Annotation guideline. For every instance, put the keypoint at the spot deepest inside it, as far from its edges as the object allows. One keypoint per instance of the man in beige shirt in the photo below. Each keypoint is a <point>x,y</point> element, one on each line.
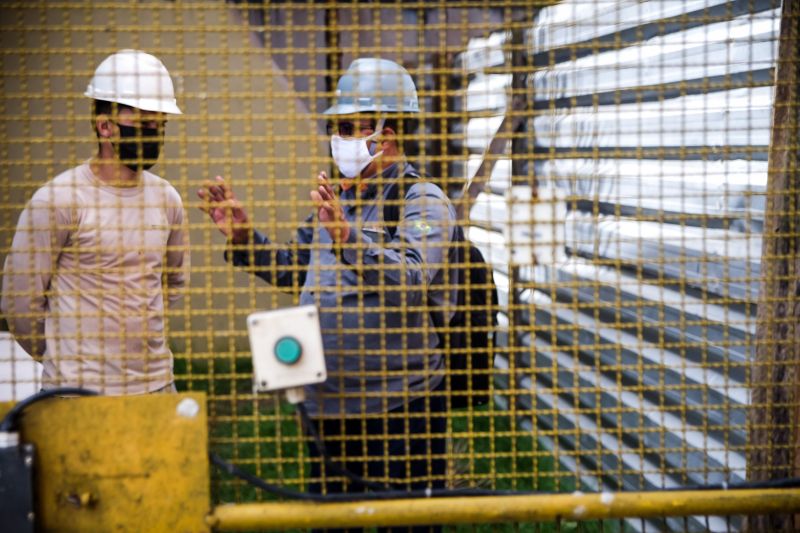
<point>83,290</point>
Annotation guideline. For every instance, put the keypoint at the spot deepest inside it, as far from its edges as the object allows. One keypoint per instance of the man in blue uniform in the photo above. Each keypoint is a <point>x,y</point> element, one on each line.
<point>378,412</point>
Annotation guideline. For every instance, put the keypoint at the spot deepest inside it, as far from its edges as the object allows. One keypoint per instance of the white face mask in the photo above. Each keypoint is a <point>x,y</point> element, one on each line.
<point>352,155</point>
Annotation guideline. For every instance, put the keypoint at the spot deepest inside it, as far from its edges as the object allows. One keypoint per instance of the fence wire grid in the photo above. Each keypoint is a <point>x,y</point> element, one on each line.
<point>610,159</point>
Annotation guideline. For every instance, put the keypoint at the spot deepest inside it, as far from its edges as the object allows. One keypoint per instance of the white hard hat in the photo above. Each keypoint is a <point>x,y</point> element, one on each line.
<point>375,85</point>
<point>136,79</point>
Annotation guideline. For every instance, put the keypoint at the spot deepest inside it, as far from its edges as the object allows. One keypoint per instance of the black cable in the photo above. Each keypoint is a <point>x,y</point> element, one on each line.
<point>384,492</point>
<point>469,492</point>
<point>278,490</point>
<point>784,483</point>
<point>9,423</point>
<point>257,482</point>
<point>355,478</point>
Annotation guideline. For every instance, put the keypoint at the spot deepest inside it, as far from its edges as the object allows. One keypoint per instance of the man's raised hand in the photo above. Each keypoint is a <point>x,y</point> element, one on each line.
<point>329,211</point>
<point>219,202</point>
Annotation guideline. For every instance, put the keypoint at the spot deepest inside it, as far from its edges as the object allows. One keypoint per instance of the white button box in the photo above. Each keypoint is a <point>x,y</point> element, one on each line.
<point>287,348</point>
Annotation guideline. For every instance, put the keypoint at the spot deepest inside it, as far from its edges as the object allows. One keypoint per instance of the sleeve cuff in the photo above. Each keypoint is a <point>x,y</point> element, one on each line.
<point>241,256</point>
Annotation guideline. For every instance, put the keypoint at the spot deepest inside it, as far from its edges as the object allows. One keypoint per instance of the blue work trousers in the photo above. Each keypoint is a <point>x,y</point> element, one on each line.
<point>409,444</point>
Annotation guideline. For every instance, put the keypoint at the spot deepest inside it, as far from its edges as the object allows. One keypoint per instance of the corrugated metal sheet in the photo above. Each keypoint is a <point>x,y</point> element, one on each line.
<point>653,120</point>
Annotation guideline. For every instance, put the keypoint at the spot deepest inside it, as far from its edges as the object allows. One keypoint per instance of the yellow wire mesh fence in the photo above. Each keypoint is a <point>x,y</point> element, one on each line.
<point>552,245</point>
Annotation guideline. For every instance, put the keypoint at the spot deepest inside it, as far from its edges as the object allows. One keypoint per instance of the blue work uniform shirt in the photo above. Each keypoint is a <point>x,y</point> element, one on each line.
<point>372,292</point>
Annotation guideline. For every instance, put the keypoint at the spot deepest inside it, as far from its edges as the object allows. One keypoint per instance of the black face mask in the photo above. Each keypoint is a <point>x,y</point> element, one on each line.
<point>136,150</point>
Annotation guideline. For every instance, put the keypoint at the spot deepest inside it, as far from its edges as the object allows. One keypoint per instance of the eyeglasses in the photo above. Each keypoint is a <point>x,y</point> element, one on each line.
<point>346,128</point>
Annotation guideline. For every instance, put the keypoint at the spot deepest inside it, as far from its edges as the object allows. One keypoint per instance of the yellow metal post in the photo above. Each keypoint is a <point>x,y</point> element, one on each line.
<point>134,463</point>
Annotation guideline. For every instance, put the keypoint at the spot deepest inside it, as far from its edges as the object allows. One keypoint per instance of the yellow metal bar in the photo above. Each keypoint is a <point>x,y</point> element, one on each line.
<point>492,509</point>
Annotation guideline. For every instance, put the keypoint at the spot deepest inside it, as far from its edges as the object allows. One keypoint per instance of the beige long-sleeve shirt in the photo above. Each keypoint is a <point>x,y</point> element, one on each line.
<point>83,285</point>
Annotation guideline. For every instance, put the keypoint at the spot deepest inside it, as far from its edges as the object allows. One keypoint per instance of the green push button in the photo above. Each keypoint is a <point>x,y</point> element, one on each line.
<point>288,350</point>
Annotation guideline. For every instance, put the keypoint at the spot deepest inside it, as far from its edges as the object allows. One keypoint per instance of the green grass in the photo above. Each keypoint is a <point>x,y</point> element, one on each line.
<point>490,446</point>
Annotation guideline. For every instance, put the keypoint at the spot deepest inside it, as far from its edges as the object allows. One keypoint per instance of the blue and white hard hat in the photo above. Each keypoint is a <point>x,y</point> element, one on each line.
<point>373,85</point>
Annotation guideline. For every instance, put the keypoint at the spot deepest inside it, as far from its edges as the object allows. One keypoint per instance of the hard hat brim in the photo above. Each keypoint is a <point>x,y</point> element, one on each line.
<point>144,104</point>
<point>353,109</point>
